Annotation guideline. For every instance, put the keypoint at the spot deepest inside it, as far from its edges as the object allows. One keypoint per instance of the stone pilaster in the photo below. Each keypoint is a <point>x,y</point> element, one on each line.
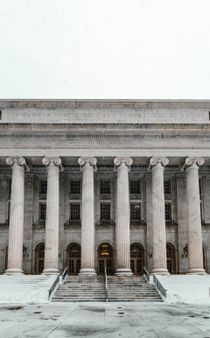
<point>53,165</point>
<point>16,222</point>
<point>122,166</point>
<point>195,252</point>
<point>88,166</point>
<point>158,215</point>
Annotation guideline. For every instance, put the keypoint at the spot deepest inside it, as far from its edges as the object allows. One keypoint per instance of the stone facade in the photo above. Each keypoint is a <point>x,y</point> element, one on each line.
<point>127,181</point>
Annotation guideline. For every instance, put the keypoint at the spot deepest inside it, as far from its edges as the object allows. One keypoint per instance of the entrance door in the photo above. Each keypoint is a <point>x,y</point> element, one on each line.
<point>74,258</point>
<point>39,259</point>
<point>171,258</point>
<point>105,258</point>
<point>137,259</point>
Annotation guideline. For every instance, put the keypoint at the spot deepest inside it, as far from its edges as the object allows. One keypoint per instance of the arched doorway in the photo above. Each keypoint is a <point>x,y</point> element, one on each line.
<point>73,255</point>
<point>6,258</point>
<point>204,258</point>
<point>137,258</point>
<point>171,258</point>
<point>39,258</point>
<point>105,258</point>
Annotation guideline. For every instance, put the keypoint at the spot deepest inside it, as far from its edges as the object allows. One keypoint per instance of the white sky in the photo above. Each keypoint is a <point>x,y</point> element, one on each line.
<point>105,49</point>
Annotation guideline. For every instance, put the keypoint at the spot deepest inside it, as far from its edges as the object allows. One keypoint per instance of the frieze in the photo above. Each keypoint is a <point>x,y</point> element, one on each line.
<point>106,136</point>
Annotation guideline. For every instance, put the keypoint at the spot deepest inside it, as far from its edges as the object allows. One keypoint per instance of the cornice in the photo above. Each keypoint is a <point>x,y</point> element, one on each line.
<point>102,103</point>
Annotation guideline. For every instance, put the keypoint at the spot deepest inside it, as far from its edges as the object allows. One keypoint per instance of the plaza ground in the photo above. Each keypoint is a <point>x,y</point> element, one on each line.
<point>104,320</point>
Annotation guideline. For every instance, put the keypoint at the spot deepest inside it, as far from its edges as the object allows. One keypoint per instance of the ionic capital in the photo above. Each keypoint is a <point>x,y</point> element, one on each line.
<point>90,161</point>
<point>194,162</point>
<point>123,161</point>
<point>52,161</point>
<point>19,161</point>
<point>163,161</point>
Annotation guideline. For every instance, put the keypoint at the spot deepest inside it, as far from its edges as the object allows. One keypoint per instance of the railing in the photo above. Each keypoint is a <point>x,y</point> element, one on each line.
<point>54,286</point>
<point>63,275</point>
<point>106,284</point>
<point>59,280</point>
<point>159,287</point>
<point>146,275</point>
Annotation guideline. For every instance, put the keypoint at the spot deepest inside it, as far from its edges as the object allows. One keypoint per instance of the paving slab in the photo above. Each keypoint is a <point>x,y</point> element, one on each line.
<point>104,320</point>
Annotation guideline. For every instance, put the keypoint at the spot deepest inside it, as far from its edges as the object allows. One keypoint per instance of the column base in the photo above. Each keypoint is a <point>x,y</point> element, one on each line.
<point>87,273</point>
<point>14,272</point>
<point>123,273</point>
<point>160,272</point>
<point>50,272</point>
<point>196,272</point>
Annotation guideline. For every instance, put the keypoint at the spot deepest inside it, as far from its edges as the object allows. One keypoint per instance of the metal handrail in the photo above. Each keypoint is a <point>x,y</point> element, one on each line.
<point>106,283</point>
<point>63,275</point>
<point>162,291</point>
<point>59,280</point>
<point>146,274</point>
<point>54,286</point>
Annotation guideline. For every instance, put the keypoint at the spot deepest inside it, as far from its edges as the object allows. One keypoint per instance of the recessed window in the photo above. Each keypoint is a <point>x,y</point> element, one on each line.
<point>105,211</point>
<point>168,211</point>
<point>75,187</point>
<point>135,187</point>
<point>105,187</point>
<point>42,211</point>
<point>43,187</point>
<point>167,187</point>
<point>0,114</point>
<point>135,211</point>
<point>75,211</point>
<point>209,115</point>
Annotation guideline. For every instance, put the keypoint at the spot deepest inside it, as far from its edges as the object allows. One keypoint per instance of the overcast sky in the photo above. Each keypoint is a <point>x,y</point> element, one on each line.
<point>105,49</point>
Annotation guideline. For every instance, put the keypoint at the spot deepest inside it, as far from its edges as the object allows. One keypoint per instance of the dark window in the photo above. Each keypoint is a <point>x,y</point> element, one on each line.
<point>75,187</point>
<point>200,188</point>
<point>42,211</point>
<point>0,114</point>
<point>105,211</point>
<point>167,187</point>
<point>168,211</point>
<point>135,211</point>
<point>105,187</point>
<point>209,115</point>
<point>75,211</point>
<point>9,188</point>
<point>43,187</point>
<point>134,187</point>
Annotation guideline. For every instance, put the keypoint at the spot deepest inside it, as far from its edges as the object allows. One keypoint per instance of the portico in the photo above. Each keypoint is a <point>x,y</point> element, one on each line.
<point>115,184</point>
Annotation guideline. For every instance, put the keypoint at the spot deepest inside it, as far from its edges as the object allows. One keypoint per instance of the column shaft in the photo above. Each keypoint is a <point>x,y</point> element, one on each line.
<point>16,223</point>
<point>123,217</point>
<point>158,216</point>
<point>52,216</point>
<point>87,218</point>
<point>195,250</point>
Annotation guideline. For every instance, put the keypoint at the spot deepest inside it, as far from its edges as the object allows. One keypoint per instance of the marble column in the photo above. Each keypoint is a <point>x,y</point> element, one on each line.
<point>158,215</point>
<point>195,250</point>
<point>16,222</point>
<point>88,166</point>
<point>53,165</point>
<point>122,233</point>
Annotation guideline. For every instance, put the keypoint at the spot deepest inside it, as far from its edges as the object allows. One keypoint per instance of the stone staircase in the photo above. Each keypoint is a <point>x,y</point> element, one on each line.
<point>132,289</point>
<point>78,289</point>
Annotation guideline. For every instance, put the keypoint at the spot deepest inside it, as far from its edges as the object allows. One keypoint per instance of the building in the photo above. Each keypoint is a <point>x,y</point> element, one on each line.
<point>85,183</point>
